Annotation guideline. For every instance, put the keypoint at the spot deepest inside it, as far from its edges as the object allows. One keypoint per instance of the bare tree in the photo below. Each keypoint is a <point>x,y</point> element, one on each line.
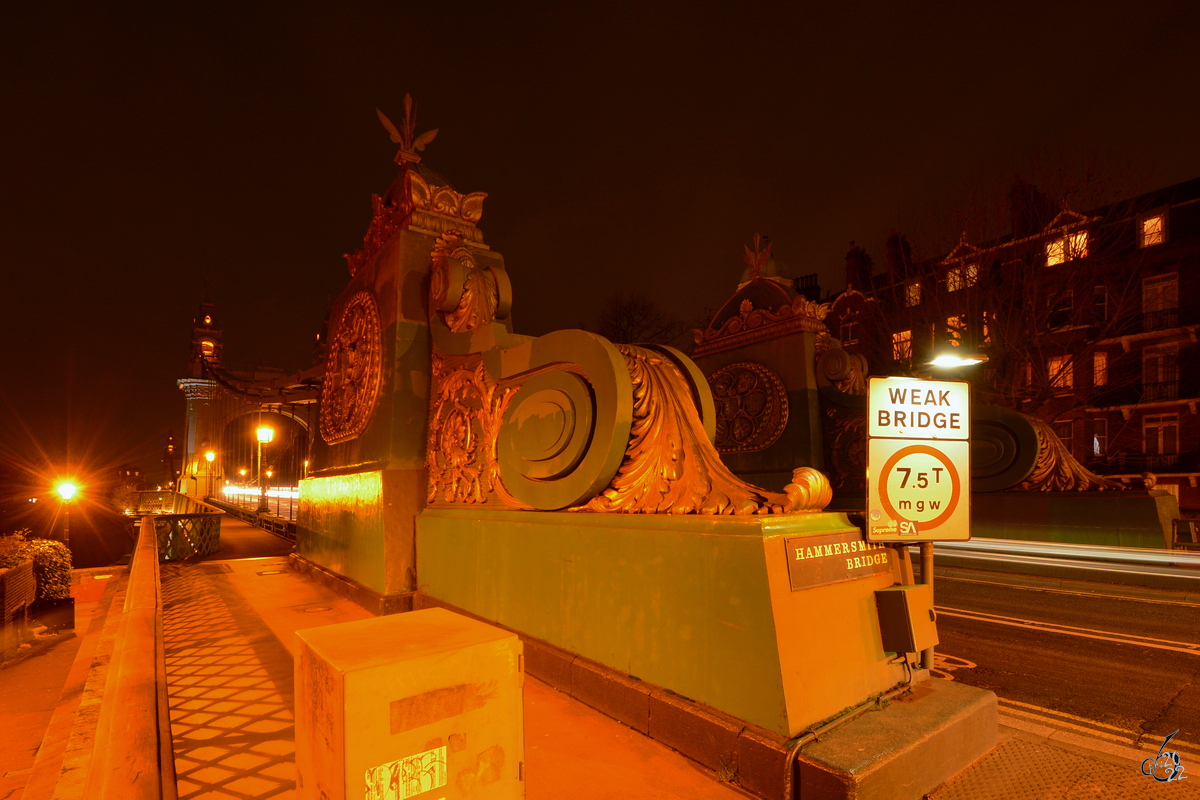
<point>629,318</point>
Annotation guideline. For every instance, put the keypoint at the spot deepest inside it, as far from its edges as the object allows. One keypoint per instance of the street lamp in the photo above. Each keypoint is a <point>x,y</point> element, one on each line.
<point>953,360</point>
<point>210,457</point>
<point>265,435</point>
<point>66,490</point>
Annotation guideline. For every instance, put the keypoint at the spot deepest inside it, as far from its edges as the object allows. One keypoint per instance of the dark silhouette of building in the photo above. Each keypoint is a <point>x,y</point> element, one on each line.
<point>1087,320</point>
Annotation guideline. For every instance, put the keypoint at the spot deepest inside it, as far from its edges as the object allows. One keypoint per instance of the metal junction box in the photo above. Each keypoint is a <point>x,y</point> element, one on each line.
<point>427,703</point>
<point>906,620</point>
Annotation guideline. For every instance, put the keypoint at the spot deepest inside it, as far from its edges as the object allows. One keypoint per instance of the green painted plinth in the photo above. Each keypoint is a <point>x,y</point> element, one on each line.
<point>702,606</point>
<point>1115,519</point>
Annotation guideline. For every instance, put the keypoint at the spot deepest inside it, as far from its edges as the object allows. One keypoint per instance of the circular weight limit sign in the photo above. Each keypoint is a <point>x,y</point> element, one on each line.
<point>920,484</point>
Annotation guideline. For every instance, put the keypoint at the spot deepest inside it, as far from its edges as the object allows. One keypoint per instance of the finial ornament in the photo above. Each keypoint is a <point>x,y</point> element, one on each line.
<point>756,259</point>
<point>404,136</point>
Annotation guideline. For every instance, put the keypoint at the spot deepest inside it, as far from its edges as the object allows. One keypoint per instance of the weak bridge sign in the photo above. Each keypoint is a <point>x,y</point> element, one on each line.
<point>918,460</point>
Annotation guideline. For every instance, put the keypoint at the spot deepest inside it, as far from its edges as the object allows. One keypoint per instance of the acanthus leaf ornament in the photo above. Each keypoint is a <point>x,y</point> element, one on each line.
<point>464,422</point>
<point>466,295</point>
<point>670,467</point>
<point>1057,470</point>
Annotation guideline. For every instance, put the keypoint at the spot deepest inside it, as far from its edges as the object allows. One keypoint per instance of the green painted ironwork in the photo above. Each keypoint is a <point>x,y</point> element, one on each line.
<point>187,535</point>
<point>185,527</point>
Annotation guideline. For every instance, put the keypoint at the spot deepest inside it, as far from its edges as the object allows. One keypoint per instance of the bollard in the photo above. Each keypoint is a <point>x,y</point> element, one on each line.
<point>425,703</point>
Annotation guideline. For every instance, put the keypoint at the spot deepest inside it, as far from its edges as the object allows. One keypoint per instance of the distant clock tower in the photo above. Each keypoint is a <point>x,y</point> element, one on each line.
<point>206,339</point>
<point>201,391</point>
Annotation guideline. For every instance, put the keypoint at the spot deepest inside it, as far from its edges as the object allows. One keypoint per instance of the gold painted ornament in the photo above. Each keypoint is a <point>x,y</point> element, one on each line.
<point>352,372</point>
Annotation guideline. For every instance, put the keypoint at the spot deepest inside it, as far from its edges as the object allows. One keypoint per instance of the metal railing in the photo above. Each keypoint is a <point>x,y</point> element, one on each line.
<point>1143,462</point>
<point>134,759</point>
<point>1160,320</point>
<point>282,527</point>
<point>1160,390</point>
<point>185,527</point>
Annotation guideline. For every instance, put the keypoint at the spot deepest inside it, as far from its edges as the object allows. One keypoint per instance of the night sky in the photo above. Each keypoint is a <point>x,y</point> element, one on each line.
<point>156,151</point>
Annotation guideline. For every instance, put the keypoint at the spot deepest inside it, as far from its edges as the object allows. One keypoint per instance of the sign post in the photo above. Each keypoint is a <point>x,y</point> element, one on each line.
<point>918,466</point>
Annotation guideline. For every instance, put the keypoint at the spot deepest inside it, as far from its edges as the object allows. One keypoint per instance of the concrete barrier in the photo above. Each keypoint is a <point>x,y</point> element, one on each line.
<point>134,759</point>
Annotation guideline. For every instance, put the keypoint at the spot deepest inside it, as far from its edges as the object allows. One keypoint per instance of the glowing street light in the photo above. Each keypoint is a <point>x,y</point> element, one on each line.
<point>264,434</point>
<point>66,490</point>
<point>953,360</point>
<point>209,456</point>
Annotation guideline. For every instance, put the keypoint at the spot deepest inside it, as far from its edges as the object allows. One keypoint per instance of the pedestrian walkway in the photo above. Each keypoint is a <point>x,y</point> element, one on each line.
<point>229,630</point>
<point>242,540</point>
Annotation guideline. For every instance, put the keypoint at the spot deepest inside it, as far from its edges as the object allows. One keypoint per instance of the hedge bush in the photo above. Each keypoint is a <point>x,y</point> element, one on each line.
<point>51,562</point>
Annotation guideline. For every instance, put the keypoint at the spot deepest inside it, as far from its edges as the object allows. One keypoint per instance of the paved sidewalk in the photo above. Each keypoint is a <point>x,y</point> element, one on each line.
<point>229,629</point>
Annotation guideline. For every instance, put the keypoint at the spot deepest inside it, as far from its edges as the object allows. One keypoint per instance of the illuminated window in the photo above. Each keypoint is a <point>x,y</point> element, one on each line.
<point>954,331</point>
<point>1099,437</point>
<point>962,277</point>
<point>912,294</point>
<point>207,320</point>
<point>1100,369</point>
<point>987,327</point>
<point>1152,230</point>
<point>207,347</point>
<point>1067,248</point>
<point>1059,370</point>
<point>902,345</point>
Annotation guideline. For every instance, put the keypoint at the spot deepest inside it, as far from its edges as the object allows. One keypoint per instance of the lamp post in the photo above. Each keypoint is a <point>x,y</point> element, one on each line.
<point>66,490</point>
<point>210,457</point>
<point>265,435</point>
<point>953,359</point>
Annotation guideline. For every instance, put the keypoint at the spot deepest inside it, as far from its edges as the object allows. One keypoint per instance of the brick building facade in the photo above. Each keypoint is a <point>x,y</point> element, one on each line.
<point>1088,320</point>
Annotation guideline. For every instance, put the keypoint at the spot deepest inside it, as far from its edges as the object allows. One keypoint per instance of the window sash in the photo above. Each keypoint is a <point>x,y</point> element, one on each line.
<point>1100,369</point>
<point>1160,293</point>
<point>1152,230</point>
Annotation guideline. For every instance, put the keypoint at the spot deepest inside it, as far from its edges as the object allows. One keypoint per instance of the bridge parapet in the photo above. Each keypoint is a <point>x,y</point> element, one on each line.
<point>185,526</point>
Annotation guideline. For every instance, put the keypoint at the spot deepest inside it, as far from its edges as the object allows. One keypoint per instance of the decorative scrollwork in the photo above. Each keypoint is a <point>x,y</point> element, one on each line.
<point>1057,470</point>
<point>845,433</point>
<point>352,371</point>
<point>752,324</point>
<point>464,422</point>
<point>670,467</point>
<point>752,407</point>
<point>466,295</point>
<point>572,421</point>
<point>841,369</point>
<point>808,491</point>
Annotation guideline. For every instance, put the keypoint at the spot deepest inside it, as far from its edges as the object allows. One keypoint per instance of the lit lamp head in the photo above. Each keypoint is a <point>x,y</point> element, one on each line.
<point>66,490</point>
<point>955,360</point>
<point>265,434</point>
<point>210,456</point>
